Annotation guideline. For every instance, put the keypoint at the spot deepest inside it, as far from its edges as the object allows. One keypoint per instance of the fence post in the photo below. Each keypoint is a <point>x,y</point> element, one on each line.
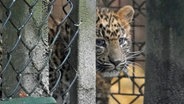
<point>86,52</point>
<point>26,47</point>
<point>165,52</point>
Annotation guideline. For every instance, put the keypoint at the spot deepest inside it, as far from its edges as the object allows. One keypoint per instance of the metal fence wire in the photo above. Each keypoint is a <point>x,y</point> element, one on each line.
<point>35,48</point>
<point>130,90</point>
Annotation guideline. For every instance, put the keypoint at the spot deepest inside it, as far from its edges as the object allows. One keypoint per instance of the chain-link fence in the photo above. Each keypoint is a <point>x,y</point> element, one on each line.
<point>35,47</point>
<point>130,90</point>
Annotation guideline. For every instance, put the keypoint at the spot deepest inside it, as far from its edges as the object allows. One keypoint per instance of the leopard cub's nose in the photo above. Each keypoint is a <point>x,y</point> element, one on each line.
<point>116,63</point>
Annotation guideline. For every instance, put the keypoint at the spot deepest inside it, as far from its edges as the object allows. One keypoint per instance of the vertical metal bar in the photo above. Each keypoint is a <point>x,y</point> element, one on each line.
<point>133,49</point>
<point>86,52</point>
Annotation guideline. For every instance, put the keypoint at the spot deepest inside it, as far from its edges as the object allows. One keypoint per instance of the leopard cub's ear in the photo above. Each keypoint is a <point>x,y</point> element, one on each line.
<point>126,13</point>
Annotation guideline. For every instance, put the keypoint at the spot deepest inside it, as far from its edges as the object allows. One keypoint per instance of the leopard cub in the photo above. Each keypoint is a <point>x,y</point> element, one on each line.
<point>112,47</point>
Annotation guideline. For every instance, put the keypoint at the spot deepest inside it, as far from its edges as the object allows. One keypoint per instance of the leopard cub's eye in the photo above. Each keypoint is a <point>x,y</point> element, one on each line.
<point>100,42</point>
<point>122,41</point>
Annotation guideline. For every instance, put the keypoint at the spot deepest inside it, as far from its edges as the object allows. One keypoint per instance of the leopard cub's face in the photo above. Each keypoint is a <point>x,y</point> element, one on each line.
<point>113,38</point>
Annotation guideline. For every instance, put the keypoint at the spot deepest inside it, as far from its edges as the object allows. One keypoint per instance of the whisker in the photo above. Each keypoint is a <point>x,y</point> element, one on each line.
<point>125,68</point>
<point>132,56</point>
<point>133,64</point>
<point>125,71</point>
<point>130,70</point>
<point>128,65</point>
<point>136,53</point>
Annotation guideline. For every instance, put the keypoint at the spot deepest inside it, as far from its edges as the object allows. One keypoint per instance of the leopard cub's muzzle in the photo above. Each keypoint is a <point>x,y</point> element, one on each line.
<point>110,58</point>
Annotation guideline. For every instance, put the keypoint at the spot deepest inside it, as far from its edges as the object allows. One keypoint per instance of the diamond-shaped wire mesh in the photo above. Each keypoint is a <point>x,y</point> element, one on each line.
<point>35,47</point>
<point>130,90</point>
